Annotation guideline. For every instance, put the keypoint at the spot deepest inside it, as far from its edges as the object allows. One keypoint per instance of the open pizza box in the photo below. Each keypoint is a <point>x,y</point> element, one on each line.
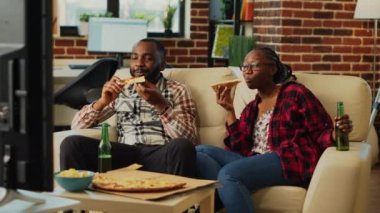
<point>132,172</point>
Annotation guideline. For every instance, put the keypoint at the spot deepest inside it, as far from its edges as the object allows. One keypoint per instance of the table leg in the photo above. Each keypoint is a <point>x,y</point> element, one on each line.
<point>207,204</point>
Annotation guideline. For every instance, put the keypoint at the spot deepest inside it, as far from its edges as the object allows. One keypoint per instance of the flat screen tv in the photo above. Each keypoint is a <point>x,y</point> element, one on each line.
<point>26,95</point>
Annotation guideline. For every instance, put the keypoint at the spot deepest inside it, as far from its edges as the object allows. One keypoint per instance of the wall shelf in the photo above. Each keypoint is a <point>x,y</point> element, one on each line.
<point>212,28</point>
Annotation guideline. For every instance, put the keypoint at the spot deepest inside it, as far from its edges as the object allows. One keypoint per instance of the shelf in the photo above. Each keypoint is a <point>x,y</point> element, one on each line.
<point>224,21</point>
<point>235,21</point>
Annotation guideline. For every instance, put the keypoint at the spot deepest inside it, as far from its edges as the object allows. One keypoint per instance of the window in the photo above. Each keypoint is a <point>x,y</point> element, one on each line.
<point>154,11</point>
<point>70,10</point>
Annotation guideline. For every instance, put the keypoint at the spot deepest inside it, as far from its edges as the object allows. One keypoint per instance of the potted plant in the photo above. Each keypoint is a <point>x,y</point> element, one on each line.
<point>85,17</point>
<point>168,18</point>
<point>83,23</point>
<point>143,16</point>
<point>105,15</point>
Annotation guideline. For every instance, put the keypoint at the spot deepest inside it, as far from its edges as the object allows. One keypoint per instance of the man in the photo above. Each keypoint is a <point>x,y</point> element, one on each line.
<point>156,120</point>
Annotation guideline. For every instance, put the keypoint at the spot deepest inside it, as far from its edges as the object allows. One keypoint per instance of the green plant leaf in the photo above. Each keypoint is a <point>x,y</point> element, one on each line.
<point>85,17</point>
<point>168,16</point>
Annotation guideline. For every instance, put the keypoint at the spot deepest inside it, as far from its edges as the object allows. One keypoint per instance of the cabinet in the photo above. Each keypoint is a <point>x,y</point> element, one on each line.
<point>233,14</point>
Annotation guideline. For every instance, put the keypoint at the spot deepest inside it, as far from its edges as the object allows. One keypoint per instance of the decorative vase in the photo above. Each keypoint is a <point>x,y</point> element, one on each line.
<point>83,28</point>
<point>168,32</point>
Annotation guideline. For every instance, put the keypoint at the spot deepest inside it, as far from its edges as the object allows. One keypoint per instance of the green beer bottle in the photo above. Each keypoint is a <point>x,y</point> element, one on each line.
<point>104,154</point>
<point>342,141</point>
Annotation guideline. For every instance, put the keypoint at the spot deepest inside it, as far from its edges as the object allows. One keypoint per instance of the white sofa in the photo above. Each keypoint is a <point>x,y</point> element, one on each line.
<point>340,182</point>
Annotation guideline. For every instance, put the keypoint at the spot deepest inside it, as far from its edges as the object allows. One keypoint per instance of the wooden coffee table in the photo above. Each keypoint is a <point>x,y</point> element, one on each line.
<point>92,200</point>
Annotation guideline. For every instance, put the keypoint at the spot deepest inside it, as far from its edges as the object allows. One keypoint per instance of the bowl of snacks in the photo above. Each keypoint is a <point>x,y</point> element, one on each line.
<point>74,180</point>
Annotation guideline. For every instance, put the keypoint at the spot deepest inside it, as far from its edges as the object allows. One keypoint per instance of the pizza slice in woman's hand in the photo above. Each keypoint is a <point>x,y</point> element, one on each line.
<point>229,84</point>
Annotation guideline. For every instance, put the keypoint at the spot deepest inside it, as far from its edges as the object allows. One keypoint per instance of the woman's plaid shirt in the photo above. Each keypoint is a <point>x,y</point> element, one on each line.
<point>299,131</point>
<point>139,123</point>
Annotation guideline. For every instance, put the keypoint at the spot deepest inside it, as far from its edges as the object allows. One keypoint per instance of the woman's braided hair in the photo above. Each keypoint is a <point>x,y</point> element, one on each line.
<point>284,71</point>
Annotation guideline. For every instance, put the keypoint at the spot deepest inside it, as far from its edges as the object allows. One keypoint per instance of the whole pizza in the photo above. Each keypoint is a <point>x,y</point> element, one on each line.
<point>106,182</point>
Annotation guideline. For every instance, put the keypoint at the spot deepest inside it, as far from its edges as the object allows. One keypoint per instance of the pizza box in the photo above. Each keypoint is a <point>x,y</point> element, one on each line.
<point>131,172</point>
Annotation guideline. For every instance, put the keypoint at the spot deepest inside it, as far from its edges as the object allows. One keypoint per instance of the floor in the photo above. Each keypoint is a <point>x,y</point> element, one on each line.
<point>374,196</point>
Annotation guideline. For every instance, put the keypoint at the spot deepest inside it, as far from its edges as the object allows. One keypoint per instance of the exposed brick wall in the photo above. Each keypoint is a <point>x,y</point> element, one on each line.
<point>310,35</point>
<point>313,35</point>
<point>181,52</point>
<point>318,36</point>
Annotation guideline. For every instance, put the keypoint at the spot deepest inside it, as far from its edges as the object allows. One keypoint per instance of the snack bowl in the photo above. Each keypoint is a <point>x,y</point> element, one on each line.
<point>74,180</point>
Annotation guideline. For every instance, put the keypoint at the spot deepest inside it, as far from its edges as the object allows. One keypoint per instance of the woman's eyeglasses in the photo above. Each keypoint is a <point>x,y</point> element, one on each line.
<point>252,66</point>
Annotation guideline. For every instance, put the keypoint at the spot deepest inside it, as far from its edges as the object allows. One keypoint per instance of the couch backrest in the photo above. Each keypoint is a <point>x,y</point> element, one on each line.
<point>198,80</point>
<point>353,91</point>
<point>211,115</point>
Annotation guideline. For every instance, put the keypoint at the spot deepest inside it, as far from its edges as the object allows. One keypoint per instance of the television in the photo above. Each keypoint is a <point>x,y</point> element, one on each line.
<point>115,35</point>
<point>26,147</point>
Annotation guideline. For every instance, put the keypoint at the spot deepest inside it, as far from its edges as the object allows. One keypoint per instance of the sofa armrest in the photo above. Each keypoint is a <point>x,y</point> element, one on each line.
<point>373,140</point>
<point>340,181</point>
<point>92,133</point>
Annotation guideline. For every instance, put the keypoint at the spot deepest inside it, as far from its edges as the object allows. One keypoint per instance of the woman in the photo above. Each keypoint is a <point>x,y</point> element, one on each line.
<point>278,139</point>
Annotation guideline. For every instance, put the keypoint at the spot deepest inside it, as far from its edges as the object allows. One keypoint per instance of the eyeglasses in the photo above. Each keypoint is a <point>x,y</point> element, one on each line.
<point>252,66</point>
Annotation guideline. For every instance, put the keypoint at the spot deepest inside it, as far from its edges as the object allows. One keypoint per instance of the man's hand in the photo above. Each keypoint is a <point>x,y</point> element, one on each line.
<point>149,92</point>
<point>110,92</point>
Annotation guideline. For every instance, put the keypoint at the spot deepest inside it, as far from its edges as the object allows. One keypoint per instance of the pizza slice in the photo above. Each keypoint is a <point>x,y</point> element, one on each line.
<point>133,80</point>
<point>229,84</point>
<point>106,182</point>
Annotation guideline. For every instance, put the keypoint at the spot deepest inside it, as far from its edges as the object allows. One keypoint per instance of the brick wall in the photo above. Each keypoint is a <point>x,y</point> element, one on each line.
<point>310,35</point>
<point>319,35</point>
<point>181,52</point>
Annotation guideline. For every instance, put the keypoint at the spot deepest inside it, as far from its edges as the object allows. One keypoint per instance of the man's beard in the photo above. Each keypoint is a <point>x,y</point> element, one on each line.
<point>152,75</point>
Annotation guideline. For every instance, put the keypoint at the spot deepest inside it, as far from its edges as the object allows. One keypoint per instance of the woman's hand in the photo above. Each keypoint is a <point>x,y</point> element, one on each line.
<point>343,123</point>
<point>223,98</point>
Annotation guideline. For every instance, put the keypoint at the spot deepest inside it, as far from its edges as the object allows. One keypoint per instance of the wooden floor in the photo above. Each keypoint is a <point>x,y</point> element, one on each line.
<point>374,191</point>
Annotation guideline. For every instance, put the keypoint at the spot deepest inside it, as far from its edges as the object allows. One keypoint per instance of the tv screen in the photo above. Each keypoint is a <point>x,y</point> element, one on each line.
<point>26,95</point>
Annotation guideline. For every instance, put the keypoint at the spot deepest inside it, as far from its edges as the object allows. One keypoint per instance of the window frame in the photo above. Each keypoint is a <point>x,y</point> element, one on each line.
<point>113,6</point>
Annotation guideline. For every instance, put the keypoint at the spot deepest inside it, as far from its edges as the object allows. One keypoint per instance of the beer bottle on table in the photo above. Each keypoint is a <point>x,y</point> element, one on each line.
<point>104,154</point>
<point>341,138</point>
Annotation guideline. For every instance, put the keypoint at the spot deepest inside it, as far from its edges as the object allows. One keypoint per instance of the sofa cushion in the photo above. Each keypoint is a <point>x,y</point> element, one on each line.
<point>211,115</point>
<point>353,91</point>
<point>279,199</point>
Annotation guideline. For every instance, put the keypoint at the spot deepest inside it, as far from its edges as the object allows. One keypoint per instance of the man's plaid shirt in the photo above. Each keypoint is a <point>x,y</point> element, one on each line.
<point>299,131</point>
<point>138,122</point>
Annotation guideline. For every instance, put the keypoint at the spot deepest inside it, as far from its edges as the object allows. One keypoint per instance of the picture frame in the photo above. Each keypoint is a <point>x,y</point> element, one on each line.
<point>223,34</point>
